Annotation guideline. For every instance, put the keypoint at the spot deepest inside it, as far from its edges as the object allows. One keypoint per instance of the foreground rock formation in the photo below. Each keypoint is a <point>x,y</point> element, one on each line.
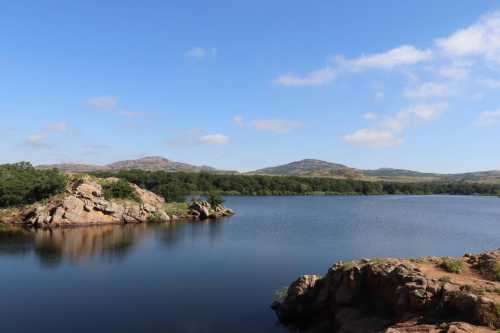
<point>396,296</point>
<point>84,203</point>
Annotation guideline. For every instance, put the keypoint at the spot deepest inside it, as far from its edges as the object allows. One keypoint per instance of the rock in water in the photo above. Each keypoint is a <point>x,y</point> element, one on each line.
<point>396,296</point>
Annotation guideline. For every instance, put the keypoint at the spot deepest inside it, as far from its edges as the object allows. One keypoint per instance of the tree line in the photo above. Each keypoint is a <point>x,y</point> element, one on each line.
<point>21,183</point>
<point>175,186</point>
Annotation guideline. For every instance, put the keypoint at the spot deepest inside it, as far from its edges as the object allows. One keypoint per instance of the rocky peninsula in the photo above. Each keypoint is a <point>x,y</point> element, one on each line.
<point>426,295</point>
<point>84,203</point>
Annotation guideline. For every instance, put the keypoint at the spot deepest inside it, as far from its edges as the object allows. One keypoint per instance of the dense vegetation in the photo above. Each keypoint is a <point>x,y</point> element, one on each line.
<point>119,190</point>
<point>21,183</point>
<point>175,186</point>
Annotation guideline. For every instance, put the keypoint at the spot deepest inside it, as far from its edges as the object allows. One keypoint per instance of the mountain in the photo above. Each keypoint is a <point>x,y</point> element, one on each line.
<point>150,163</point>
<point>318,168</point>
<point>309,168</point>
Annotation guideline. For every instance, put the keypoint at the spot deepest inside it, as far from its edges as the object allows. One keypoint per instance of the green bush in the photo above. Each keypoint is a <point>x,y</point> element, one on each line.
<point>496,271</point>
<point>120,189</point>
<point>452,265</point>
<point>215,199</point>
<point>21,183</point>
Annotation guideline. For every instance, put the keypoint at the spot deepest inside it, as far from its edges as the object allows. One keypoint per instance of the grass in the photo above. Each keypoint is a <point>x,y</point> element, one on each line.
<point>176,208</point>
<point>348,265</point>
<point>445,279</point>
<point>280,294</point>
<point>452,265</point>
<point>496,271</point>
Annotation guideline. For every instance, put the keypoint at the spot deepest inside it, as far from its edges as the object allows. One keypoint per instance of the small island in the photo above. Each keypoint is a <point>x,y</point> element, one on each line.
<point>430,294</point>
<point>48,198</point>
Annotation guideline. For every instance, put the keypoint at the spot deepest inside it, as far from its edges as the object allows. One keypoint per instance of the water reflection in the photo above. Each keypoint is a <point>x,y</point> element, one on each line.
<point>114,242</point>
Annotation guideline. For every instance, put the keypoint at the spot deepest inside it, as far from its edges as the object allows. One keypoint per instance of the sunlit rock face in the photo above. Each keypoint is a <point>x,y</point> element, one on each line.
<point>84,203</point>
<point>392,295</point>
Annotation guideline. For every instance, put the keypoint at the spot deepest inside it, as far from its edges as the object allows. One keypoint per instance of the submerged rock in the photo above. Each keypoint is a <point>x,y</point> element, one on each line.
<point>395,296</point>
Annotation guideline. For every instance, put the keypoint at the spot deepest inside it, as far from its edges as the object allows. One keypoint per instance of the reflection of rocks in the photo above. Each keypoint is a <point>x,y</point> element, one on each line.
<point>204,210</point>
<point>83,203</point>
<point>394,296</point>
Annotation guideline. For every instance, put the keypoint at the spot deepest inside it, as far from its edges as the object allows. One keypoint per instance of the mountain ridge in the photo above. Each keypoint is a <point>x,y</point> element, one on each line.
<point>303,168</point>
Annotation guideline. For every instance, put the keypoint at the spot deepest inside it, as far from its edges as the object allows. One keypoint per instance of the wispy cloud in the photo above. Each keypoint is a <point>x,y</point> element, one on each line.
<point>488,118</point>
<point>401,56</point>
<point>103,102</point>
<point>481,38</point>
<point>200,53</point>
<point>427,90</point>
<point>389,130</point>
<point>238,120</point>
<point>37,140</point>
<point>196,137</point>
<point>57,127</point>
<point>214,139</point>
<point>279,126</point>
<point>373,138</point>
<point>315,78</point>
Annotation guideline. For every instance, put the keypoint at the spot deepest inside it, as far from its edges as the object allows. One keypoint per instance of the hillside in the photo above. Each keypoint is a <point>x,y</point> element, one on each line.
<point>318,168</point>
<point>150,163</point>
<point>309,168</point>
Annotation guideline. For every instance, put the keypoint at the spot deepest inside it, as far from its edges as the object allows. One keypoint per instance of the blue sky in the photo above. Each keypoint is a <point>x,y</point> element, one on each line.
<point>243,85</point>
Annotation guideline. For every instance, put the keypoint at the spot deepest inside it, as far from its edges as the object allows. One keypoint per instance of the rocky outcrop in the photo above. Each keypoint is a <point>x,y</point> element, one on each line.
<point>393,296</point>
<point>201,209</point>
<point>84,203</point>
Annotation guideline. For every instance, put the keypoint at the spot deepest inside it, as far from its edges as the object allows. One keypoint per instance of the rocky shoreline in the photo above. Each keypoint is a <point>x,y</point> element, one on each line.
<point>426,295</point>
<point>84,203</point>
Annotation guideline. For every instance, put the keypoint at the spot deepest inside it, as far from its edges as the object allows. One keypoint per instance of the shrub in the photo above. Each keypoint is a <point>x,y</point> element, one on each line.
<point>280,294</point>
<point>452,265</point>
<point>120,189</point>
<point>496,271</point>
<point>21,183</point>
<point>215,199</point>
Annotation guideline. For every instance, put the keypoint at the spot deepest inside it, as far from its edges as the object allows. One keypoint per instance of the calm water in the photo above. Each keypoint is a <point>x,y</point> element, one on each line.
<point>219,276</point>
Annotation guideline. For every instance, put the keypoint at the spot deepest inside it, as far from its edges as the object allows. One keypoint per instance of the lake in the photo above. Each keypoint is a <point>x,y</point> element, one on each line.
<point>220,276</point>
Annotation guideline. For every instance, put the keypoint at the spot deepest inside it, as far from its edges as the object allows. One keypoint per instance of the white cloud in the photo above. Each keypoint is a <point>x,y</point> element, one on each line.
<point>238,120</point>
<point>57,127</point>
<point>103,102</point>
<point>196,137</point>
<point>411,116</point>
<point>428,111</point>
<point>482,38</point>
<point>279,126</point>
<point>214,139</point>
<point>455,72</point>
<point>370,116</point>
<point>37,140</point>
<point>427,90</point>
<point>401,56</point>
<point>490,83</point>
<point>314,78</point>
<point>373,138</point>
<point>200,53</point>
<point>488,118</point>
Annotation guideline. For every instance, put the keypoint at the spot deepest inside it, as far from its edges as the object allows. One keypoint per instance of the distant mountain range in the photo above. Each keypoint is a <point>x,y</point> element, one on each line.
<point>150,163</point>
<point>318,168</point>
<point>303,168</point>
